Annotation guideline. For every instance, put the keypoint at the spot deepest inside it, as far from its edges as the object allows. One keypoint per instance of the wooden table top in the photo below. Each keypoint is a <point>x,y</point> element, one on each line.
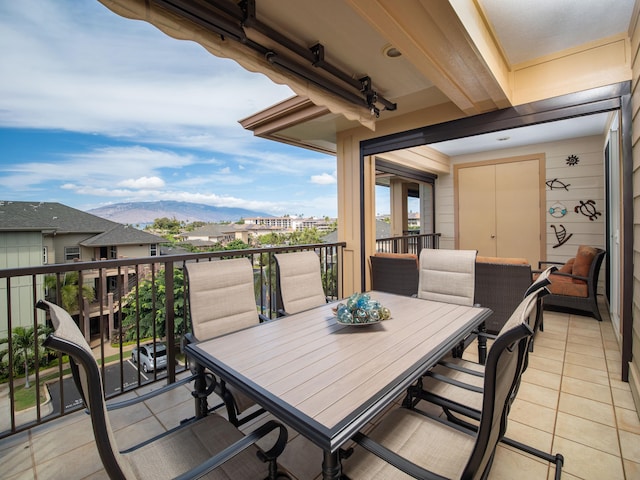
<point>327,380</point>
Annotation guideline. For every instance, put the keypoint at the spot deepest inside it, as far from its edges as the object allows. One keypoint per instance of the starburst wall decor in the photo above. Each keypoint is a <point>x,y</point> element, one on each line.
<point>572,160</point>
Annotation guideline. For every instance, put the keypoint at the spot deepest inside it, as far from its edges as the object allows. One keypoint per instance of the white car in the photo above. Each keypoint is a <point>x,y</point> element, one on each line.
<point>147,356</point>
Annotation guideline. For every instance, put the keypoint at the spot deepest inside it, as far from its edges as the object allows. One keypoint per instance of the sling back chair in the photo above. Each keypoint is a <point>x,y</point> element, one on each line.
<point>208,447</point>
<point>394,273</point>
<point>299,281</point>
<point>412,441</point>
<point>457,385</point>
<point>221,300</point>
<point>447,275</point>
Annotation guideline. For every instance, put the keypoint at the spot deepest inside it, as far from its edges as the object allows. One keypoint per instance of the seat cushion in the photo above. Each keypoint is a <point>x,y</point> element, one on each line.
<point>567,267</point>
<point>502,260</point>
<point>567,286</point>
<point>423,441</point>
<point>192,445</point>
<point>398,255</point>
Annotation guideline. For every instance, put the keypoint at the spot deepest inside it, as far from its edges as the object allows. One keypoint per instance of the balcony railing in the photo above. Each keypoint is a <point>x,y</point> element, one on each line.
<point>116,286</point>
<point>408,243</point>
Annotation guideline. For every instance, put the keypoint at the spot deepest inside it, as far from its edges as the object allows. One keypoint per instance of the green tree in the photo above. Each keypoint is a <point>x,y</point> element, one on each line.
<point>305,237</point>
<point>24,340</point>
<point>144,308</point>
<point>236,245</point>
<point>68,290</point>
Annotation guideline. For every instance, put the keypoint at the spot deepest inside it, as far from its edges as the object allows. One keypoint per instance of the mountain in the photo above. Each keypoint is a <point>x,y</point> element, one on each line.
<point>142,213</point>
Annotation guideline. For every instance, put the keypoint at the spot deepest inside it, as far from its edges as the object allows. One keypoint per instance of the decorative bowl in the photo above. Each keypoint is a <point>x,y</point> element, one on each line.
<point>359,309</point>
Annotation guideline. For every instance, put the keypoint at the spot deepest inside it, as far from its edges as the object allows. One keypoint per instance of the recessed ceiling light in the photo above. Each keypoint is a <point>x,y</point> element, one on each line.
<point>391,51</point>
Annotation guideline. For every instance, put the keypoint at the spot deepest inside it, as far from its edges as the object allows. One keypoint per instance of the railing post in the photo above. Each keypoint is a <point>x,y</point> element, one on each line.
<point>169,309</point>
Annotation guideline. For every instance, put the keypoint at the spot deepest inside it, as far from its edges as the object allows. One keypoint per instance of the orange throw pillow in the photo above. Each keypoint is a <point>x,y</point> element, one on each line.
<point>567,267</point>
<point>583,261</point>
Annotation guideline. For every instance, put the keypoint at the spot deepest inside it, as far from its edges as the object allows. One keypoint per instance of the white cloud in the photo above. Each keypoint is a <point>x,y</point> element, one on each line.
<point>324,179</point>
<point>143,183</point>
<point>75,69</point>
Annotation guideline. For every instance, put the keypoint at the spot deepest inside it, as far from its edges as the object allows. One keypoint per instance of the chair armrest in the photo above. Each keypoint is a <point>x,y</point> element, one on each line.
<point>540,263</point>
<point>242,444</point>
<point>570,275</point>
<point>147,396</point>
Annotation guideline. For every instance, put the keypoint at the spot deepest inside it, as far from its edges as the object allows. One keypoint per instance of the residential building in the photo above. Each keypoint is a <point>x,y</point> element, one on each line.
<point>290,224</point>
<point>43,233</point>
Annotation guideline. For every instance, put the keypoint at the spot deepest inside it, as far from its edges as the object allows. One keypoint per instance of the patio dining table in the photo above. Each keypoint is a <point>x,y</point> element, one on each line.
<point>327,380</point>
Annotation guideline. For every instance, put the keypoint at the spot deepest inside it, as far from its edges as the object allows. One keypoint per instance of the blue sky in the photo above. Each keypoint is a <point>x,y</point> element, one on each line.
<point>98,109</point>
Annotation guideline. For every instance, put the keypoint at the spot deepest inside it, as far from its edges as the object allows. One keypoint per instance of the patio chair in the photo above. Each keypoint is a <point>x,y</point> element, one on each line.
<point>458,386</point>
<point>575,285</point>
<point>394,273</point>
<point>447,275</point>
<point>201,446</point>
<point>429,447</point>
<point>299,281</point>
<point>221,300</point>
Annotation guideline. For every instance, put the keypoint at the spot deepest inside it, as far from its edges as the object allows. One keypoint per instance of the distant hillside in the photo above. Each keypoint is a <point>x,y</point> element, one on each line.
<point>142,213</point>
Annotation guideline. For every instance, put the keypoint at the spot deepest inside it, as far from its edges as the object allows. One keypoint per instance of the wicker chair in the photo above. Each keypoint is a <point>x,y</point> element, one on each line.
<point>394,273</point>
<point>209,446</point>
<point>500,286</point>
<point>575,285</point>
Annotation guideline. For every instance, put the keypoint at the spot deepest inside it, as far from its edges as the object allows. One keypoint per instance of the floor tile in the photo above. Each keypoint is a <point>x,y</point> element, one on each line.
<point>588,463</point>
<point>529,436</point>
<point>507,461</point>
<point>598,363</point>
<point>548,353</point>
<point>623,399</point>
<point>581,388</point>
<point>542,378</point>
<point>588,350</point>
<point>631,469</point>
<point>585,373</point>
<point>595,435</point>
<point>630,446</point>
<point>587,408</point>
<point>533,415</point>
<point>541,363</point>
<point>627,420</point>
<point>546,397</point>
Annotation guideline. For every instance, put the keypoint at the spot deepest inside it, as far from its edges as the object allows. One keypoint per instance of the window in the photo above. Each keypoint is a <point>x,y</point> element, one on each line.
<point>71,254</point>
<point>153,250</point>
<point>113,252</point>
<point>45,256</point>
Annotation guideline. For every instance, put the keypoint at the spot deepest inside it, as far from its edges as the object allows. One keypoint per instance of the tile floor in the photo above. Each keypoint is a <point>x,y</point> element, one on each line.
<point>571,401</point>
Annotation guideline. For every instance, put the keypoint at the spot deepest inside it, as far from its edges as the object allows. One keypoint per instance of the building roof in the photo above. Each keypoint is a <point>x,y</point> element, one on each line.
<point>53,217</point>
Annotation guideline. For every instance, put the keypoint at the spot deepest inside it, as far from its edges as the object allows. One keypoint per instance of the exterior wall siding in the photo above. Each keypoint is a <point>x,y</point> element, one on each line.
<point>634,368</point>
<point>19,249</point>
